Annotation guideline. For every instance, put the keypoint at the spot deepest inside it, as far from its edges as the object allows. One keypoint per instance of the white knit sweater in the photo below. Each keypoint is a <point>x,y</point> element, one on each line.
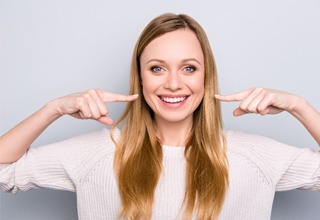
<point>258,167</point>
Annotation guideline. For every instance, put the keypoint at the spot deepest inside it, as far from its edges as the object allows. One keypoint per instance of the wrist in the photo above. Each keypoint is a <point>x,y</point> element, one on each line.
<point>51,111</point>
<point>296,106</point>
<point>301,109</point>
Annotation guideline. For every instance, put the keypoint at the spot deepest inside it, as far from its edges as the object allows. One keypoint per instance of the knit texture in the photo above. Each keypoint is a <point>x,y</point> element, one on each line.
<point>258,167</point>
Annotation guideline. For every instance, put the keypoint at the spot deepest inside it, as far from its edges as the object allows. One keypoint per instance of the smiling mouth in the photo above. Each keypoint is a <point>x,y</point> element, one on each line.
<point>173,100</point>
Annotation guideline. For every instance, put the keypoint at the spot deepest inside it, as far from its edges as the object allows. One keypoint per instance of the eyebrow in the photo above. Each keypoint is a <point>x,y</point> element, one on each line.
<point>184,60</point>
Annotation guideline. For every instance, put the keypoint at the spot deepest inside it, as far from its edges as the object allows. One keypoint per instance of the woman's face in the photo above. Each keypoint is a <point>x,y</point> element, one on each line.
<point>172,73</point>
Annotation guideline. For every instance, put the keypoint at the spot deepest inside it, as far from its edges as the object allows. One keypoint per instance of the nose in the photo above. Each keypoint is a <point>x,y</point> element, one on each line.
<point>173,81</point>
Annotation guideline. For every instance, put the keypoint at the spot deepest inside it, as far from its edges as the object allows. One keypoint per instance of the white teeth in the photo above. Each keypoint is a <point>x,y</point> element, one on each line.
<point>173,100</point>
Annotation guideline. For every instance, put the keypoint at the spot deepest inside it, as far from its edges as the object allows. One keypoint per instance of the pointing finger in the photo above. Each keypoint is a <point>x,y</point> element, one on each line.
<point>111,97</point>
<point>233,97</point>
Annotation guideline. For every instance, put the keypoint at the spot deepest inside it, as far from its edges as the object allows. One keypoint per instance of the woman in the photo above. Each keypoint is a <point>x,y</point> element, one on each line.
<point>171,160</point>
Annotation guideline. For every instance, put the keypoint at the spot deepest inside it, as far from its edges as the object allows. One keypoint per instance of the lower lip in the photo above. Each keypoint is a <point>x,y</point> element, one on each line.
<point>174,105</point>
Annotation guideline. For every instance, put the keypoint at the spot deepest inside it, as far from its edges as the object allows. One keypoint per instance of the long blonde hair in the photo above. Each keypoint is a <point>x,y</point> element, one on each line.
<point>138,157</point>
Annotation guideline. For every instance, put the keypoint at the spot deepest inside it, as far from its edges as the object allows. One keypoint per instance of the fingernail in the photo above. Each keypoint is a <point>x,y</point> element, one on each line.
<point>135,94</point>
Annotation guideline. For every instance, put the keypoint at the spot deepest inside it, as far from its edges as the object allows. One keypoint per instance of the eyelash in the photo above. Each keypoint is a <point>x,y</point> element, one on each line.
<point>156,67</point>
<point>191,69</point>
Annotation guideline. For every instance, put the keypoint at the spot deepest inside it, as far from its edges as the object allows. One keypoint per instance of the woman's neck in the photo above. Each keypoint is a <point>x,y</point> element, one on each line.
<point>173,133</point>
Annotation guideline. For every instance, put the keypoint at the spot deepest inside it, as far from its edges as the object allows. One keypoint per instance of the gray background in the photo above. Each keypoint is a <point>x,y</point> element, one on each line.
<point>52,48</point>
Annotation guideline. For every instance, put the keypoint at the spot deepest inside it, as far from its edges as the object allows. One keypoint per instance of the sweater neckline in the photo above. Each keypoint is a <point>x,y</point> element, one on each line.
<point>172,151</point>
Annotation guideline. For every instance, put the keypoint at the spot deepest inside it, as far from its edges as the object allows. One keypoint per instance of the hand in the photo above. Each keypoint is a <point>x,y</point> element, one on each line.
<point>84,105</point>
<point>261,101</point>
<point>90,104</point>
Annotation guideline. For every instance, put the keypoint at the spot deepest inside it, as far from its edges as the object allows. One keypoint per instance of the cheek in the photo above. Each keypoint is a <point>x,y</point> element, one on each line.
<point>197,84</point>
<point>146,86</point>
<point>198,89</point>
<point>149,87</point>
<point>149,83</point>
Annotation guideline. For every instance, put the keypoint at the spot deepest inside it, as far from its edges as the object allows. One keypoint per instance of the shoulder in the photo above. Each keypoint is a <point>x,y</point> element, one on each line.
<point>95,147</point>
<point>82,145</point>
<point>78,147</point>
<point>83,151</point>
<point>101,137</point>
<point>269,156</point>
<point>240,141</point>
<point>277,164</point>
<point>97,142</point>
<point>260,148</point>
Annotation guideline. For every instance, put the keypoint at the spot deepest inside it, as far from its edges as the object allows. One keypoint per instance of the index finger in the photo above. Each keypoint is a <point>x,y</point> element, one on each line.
<point>239,96</point>
<point>112,97</point>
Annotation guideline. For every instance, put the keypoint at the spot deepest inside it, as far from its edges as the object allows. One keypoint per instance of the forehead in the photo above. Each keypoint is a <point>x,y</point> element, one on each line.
<point>176,45</point>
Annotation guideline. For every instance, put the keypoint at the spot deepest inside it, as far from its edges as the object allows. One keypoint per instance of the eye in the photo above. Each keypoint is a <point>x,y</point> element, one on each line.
<point>156,69</point>
<point>190,69</point>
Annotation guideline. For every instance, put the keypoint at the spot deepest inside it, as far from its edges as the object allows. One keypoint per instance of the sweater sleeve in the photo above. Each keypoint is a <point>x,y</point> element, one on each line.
<point>52,166</point>
<point>301,172</point>
<point>288,167</point>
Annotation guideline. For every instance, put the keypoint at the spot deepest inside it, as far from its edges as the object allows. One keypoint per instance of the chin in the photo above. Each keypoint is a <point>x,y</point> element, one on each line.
<point>176,117</point>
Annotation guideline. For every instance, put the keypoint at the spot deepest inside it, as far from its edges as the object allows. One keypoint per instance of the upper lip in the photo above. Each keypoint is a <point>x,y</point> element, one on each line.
<point>173,95</point>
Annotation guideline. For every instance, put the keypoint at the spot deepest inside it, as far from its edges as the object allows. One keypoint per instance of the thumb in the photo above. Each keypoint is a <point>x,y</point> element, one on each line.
<point>239,112</point>
<point>105,120</point>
